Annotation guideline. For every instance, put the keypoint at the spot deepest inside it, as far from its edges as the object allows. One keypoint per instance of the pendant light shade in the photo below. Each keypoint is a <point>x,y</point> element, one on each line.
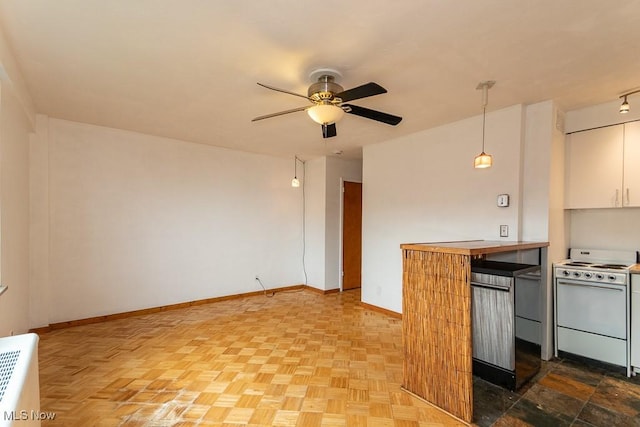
<point>484,160</point>
<point>624,108</point>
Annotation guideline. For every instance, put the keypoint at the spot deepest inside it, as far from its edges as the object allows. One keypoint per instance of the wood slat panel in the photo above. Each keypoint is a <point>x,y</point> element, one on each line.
<point>437,330</point>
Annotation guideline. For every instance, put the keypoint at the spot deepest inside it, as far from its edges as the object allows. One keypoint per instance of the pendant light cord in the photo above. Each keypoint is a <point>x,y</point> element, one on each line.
<point>485,101</point>
<point>484,117</point>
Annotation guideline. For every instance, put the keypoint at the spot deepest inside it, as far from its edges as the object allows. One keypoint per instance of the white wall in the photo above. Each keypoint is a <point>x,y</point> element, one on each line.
<point>543,199</point>
<point>338,170</point>
<point>323,217</point>
<point>537,173</point>
<point>137,221</point>
<point>606,228</point>
<point>599,115</point>
<point>15,126</point>
<point>603,228</point>
<point>315,185</point>
<point>39,299</point>
<point>543,190</point>
<point>17,116</point>
<point>559,219</point>
<point>423,187</point>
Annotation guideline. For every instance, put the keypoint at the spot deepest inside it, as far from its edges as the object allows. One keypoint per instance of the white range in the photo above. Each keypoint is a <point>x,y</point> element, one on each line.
<point>592,315</point>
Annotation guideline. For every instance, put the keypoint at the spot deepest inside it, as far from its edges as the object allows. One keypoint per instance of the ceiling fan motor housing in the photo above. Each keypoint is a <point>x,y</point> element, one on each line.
<point>324,89</point>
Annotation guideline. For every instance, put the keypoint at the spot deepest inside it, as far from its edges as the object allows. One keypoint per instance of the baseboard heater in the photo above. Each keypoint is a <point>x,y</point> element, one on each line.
<point>19,384</point>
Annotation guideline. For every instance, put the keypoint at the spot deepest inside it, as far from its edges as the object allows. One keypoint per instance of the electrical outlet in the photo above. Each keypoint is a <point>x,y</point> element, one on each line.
<point>504,231</point>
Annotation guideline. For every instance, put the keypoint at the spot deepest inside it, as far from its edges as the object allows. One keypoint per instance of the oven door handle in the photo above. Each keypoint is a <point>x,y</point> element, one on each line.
<point>584,285</point>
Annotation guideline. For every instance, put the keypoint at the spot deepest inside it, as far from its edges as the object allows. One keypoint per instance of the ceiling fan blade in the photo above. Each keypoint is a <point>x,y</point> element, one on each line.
<point>329,130</point>
<point>267,116</point>
<point>283,91</point>
<point>363,91</point>
<point>372,114</point>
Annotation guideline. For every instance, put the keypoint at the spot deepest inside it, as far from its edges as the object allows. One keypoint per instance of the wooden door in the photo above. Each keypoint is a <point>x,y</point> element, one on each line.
<point>352,235</point>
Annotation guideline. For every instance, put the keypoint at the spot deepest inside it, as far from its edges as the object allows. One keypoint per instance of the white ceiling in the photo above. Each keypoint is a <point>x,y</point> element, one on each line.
<point>187,69</point>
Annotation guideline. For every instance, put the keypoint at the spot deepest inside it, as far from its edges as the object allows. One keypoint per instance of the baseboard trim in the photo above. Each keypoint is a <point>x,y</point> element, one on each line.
<point>381,310</point>
<point>321,291</point>
<point>141,312</point>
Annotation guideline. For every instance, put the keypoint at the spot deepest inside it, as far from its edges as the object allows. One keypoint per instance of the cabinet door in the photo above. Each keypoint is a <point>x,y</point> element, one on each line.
<point>631,181</point>
<point>594,168</point>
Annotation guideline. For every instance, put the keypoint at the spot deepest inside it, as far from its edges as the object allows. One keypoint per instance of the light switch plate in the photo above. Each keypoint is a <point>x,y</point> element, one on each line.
<point>504,231</point>
<point>503,200</point>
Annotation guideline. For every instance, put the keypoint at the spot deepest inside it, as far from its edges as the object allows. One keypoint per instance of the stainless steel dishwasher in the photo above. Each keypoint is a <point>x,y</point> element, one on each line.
<point>497,357</point>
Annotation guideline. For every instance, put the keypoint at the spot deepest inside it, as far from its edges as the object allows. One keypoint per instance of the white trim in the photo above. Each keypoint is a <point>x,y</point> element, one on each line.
<point>341,237</point>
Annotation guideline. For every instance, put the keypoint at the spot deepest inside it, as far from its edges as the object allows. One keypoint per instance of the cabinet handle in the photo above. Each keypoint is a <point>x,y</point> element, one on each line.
<point>628,201</point>
<point>617,198</point>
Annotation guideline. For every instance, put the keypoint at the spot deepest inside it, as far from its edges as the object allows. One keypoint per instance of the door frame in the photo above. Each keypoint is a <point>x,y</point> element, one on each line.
<point>341,231</point>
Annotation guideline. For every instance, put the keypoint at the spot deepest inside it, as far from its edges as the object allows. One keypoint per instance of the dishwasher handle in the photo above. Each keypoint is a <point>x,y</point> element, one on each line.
<point>491,286</point>
<point>531,275</point>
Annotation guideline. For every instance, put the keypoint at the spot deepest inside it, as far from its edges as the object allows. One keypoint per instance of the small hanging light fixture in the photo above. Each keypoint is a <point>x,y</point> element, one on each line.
<point>484,160</point>
<point>624,108</point>
<point>295,182</point>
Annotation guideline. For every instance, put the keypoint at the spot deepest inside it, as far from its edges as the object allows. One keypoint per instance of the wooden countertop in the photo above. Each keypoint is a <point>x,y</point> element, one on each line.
<point>473,247</point>
<point>635,269</point>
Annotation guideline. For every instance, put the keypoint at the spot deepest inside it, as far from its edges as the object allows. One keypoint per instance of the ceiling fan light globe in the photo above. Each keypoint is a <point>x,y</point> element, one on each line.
<point>325,114</point>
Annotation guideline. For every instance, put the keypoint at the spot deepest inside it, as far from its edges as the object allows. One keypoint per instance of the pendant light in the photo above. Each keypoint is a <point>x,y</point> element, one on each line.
<point>295,182</point>
<point>484,160</point>
<point>624,108</point>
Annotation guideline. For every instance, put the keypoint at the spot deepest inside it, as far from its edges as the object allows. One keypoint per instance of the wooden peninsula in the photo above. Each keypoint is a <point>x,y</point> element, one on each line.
<point>436,319</point>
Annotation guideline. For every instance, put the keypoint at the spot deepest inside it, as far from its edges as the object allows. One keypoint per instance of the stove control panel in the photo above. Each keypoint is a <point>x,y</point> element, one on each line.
<point>592,276</point>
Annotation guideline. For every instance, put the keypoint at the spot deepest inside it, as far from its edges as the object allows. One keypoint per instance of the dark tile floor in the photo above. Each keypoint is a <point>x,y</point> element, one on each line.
<point>565,392</point>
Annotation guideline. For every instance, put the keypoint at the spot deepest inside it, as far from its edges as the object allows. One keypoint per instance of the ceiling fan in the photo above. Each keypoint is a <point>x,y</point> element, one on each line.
<point>328,102</point>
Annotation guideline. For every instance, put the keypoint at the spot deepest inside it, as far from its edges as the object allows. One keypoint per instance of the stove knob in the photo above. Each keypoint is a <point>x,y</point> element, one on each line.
<point>588,275</point>
<point>576,274</point>
<point>612,278</point>
<point>599,276</point>
<point>565,273</point>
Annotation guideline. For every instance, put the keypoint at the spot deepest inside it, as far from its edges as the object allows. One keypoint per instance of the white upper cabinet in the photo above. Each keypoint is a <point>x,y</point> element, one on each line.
<point>594,160</point>
<point>603,167</point>
<point>631,168</point>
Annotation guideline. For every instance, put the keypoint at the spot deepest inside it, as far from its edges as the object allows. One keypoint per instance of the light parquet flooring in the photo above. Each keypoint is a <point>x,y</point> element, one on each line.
<point>297,359</point>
